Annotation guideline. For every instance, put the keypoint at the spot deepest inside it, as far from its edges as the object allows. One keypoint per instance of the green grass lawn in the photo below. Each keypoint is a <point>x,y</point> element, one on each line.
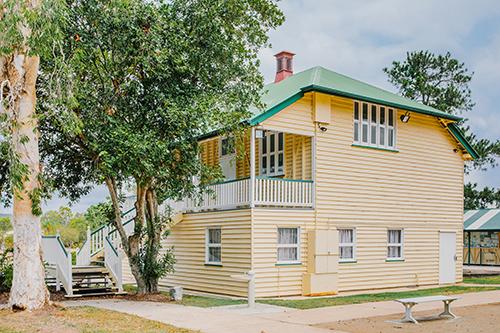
<point>311,303</point>
<point>483,279</point>
<point>318,302</point>
<point>191,300</point>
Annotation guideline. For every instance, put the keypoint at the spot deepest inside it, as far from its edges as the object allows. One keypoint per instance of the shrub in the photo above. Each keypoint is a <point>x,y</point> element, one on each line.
<point>6,270</point>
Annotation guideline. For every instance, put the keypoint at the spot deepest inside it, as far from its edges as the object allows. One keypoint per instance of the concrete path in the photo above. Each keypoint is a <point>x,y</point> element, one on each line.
<point>270,319</point>
<point>481,270</point>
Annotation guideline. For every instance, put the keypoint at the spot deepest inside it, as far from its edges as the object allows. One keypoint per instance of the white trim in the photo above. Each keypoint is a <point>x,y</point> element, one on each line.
<point>252,167</point>
<point>212,245</point>
<point>353,245</point>
<point>401,245</point>
<point>360,123</point>
<point>268,154</point>
<point>278,246</point>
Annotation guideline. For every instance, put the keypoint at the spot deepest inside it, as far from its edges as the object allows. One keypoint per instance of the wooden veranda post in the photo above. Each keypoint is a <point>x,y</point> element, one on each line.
<point>252,167</point>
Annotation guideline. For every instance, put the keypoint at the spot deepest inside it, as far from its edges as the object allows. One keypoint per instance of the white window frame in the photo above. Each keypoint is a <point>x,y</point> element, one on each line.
<point>353,245</point>
<point>279,246</point>
<point>209,245</point>
<point>266,141</point>
<point>371,126</point>
<point>401,245</point>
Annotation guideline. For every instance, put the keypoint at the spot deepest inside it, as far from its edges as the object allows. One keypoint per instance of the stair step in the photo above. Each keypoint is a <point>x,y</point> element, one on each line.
<point>112,293</point>
<point>97,289</point>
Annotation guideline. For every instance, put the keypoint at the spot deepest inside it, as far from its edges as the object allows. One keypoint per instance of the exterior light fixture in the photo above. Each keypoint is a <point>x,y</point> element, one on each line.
<point>322,127</point>
<point>405,117</point>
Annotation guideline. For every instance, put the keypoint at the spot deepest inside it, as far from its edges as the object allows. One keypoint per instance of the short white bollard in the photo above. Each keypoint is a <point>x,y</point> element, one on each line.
<point>250,277</point>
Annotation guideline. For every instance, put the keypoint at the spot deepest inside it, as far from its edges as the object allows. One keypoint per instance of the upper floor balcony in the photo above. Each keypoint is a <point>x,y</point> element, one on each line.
<point>266,168</point>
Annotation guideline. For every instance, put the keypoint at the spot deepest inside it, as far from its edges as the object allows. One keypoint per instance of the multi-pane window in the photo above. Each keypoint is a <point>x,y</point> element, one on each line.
<point>374,125</point>
<point>272,154</point>
<point>395,244</point>
<point>347,243</point>
<point>288,245</point>
<point>213,251</point>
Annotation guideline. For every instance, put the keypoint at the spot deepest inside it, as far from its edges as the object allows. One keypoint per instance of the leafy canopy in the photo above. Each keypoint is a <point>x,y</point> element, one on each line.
<point>147,79</point>
<point>439,81</point>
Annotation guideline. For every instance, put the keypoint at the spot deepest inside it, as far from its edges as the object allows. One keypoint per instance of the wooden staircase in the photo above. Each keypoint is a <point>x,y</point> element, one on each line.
<point>93,280</point>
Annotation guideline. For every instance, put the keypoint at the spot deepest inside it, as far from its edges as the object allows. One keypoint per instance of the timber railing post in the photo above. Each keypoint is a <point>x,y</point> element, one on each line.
<point>252,167</point>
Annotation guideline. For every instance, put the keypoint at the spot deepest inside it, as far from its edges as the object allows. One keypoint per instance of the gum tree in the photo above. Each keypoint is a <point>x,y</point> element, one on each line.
<point>148,78</point>
<point>28,29</point>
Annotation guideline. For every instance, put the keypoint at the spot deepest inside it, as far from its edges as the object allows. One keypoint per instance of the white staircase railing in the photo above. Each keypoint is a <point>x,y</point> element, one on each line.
<point>84,253</point>
<point>59,261</point>
<point>95,241</point>
<point>113,262</point>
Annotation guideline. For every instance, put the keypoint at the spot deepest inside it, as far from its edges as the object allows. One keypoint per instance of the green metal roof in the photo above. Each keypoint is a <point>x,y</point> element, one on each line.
<point>482,220</point>
<point>277,96</point>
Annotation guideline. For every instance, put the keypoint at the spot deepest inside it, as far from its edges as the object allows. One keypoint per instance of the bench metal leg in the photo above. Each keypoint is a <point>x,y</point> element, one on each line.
<point>408,315</point>
<point>447,312</point>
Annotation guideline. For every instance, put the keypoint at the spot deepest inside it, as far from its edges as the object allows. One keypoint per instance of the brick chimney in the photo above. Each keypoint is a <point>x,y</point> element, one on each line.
<point>284,65</point>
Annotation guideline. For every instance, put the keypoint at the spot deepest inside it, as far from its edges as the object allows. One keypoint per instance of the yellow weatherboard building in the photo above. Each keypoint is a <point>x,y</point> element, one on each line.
<point>342,186</point>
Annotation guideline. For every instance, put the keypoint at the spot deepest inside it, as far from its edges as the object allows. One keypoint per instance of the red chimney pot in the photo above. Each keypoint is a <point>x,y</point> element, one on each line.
<point>284,65</point>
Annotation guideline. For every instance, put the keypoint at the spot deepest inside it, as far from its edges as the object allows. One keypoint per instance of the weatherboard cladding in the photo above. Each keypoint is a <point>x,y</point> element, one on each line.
<point>482,220</point>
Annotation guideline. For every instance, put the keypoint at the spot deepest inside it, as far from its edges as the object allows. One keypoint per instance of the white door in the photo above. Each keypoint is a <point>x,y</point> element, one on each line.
<point>447,257</point>
<point>227,159</point>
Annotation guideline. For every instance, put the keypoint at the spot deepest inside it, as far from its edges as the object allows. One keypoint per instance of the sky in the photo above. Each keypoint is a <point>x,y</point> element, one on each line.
<point>358,38</point>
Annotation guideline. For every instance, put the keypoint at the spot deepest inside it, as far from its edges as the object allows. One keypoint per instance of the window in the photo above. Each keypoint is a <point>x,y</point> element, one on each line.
<point>374,125</point>
<point>213,250</point>
<point>288,245</point>
<point>272,154</point>
<point>347,241</point>
<point>227,146</point>
<point>395,244</point>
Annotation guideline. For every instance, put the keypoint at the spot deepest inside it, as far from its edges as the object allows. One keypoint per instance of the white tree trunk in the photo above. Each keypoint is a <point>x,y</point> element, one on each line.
<point>28,286</point>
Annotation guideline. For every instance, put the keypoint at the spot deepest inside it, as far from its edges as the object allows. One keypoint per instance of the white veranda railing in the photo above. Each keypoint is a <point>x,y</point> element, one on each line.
<point>267,192</point>
<point>58,261</point>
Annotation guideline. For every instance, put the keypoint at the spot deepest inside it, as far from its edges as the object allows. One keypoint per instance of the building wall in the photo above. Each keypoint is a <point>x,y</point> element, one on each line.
<point>418,188</point>
<point>273,279</point>
<point>298,157</point>
<point>188,240</point>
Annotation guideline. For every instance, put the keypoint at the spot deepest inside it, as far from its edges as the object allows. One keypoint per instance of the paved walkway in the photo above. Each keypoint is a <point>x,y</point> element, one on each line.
<point>481,270</point>
<point>269,319</point>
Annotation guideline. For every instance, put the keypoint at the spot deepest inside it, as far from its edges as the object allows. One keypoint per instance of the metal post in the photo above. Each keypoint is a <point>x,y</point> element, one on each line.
<point>469,242</point>
<point>251,289</point>
<point>252,167</point>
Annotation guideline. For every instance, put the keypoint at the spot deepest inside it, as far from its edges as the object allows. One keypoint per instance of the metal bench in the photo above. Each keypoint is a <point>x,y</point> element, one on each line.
<point>409,303</point>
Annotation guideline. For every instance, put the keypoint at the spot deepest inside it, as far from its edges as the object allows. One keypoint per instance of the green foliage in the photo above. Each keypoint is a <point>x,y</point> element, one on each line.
<point>99,214</point>
<point>44,23</point>
<point>73,226</point>
<point>439,81</point>
<point>5,224</point>
<point>6,270</point>
<point>480,198</point>
<point>146,79</point>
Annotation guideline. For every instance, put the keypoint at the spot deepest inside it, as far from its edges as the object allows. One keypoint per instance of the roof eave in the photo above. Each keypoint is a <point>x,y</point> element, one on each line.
<point>335,92</point>
<point>459,135</point>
